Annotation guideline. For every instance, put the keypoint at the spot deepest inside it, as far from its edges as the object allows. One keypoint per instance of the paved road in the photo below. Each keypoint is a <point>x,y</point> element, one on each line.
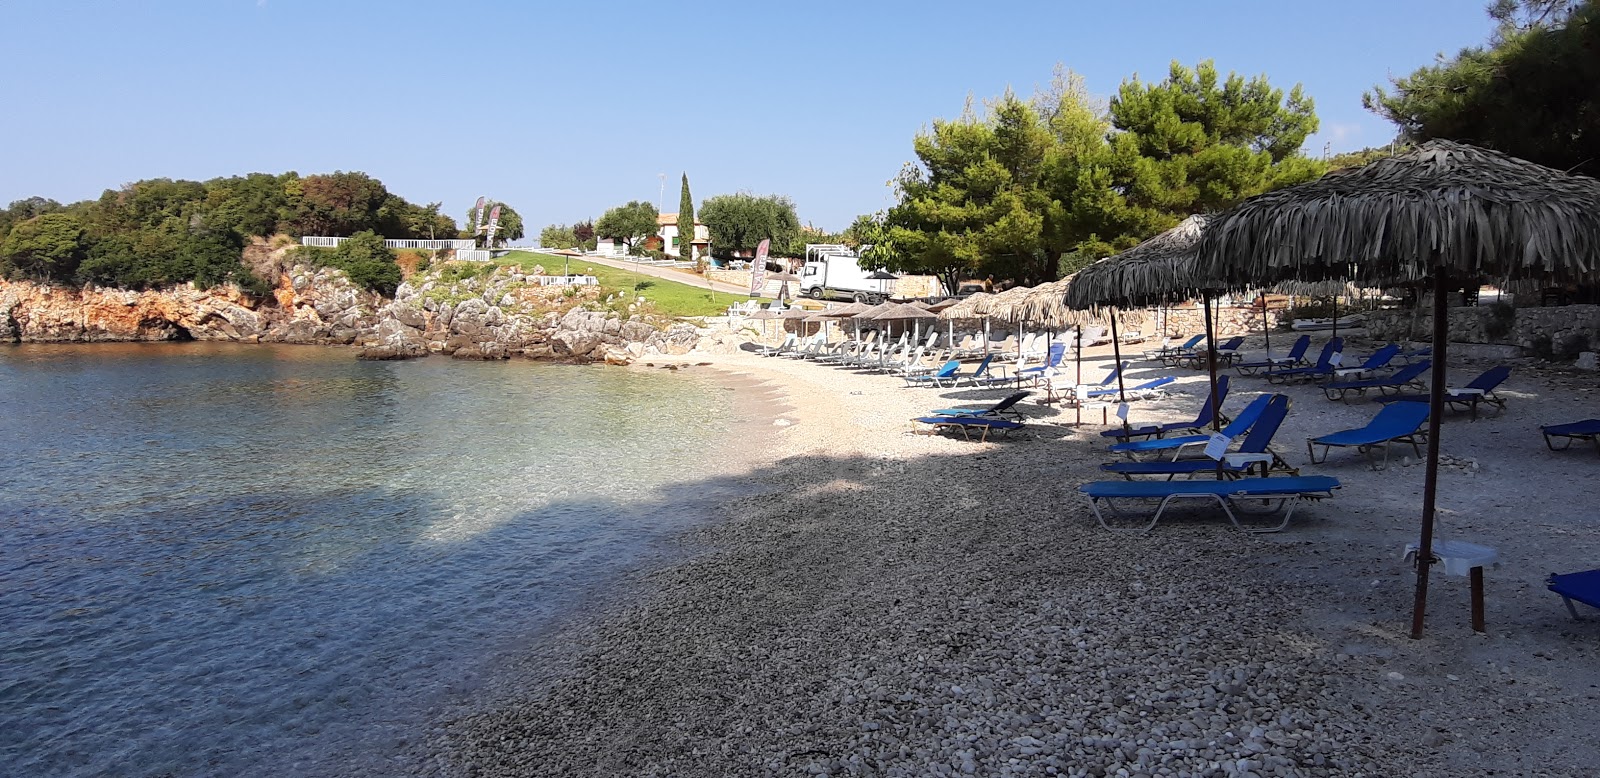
<point>670,274</point>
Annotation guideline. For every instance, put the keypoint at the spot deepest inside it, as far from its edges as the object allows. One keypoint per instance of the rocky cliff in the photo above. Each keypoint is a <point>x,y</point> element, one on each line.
<point>490,313</point>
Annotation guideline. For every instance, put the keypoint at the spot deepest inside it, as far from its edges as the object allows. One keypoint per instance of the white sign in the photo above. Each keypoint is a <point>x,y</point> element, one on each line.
<point>1218,445</point>
<point>1122,411</point>
<point>1337,359</point>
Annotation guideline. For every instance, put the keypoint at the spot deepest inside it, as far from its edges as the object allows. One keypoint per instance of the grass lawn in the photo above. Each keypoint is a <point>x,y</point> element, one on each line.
<point>670,297</point>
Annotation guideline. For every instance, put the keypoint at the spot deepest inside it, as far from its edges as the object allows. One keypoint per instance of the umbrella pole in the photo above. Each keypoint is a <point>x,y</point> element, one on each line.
<point>1430,483</point>
<point>1116,348</point>
<point>1335,316</point>
<point>1078,405</point>
<point>1211,364</point>
<point>1266,325</point>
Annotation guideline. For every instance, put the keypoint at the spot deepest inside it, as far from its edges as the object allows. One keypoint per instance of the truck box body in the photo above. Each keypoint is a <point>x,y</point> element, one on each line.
<point>833,273</point>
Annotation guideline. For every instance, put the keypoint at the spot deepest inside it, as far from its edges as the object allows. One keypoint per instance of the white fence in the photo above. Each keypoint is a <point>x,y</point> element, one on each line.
<point>476,255</point>
<point>568,280</point>
<point>431,245</point>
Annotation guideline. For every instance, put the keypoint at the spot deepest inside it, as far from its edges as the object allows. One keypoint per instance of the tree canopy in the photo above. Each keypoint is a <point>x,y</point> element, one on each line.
<point>739,222</point>
<point>685,216</point>
<point>511,227</point>
<point>630,223</point>
<point>1529,93</point>
<point>1029,189</point>
<point>160,232</point>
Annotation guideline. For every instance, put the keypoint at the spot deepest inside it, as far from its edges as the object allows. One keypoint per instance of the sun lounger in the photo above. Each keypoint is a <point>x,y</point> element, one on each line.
<point>1398,423</point>
<point>782,348</point>
<point>1180,445</point>
<point>1140,391</point>
<point>1588,429</point>
<point>945,374</point>
<point>1295,358</point>
<point>1159,353</point>
<point>1288,492</point>
<point>1196,358</point>
<point>1379,360</point>
<point>1201,420</point>
<point>1410,375</point>
<point>1255,453</point>
<point>1581,587</point>
<point>1006,407</point>
<point>1323,368</point>
<point>983,424</point>
<point>1479,390</point>
<point>1052,359</point>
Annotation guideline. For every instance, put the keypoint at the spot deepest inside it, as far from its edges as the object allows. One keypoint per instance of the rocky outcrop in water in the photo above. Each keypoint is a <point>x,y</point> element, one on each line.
<point>485,313</point>
<point>309,306</point>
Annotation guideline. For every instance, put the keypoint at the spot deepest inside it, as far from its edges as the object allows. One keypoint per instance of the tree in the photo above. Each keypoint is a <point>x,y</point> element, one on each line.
<point>685,222</point>
<point>584,232</point>
<point>628,223</point>
<point>336,204</point>
<point>367,262</point>
<point>25,209</point>
<point>510,227</point>
<point>558,236</point>
<point>739,222</point>
<point>44,248</point>
<point>1529,93</point>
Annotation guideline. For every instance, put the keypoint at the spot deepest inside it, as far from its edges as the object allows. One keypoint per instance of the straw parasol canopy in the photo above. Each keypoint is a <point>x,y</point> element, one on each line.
<point>1007,305</point>
<point>849,310</point>
<point>897,311</point>
<point>1161,269</point>
<point>1468,211</point>
<point>942,305</point>
<point>795,313</point>
<point>871,311</point>
<point>1047,304</point>
<point>764,313</point>
<point>1445,212</point>
<point>968,308</point>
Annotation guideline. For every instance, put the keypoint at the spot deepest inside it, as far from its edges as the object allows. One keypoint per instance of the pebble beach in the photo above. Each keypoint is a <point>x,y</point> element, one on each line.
<point>890,604</point>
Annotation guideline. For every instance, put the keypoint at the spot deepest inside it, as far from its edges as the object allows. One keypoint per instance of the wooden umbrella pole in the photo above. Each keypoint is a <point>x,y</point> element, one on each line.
<point>1211,363</point>
<point>1266,325</point>
<point>1116,348</point>
<point>1078,405</point>
<point>1430,483</point>
<point>1335,317</point>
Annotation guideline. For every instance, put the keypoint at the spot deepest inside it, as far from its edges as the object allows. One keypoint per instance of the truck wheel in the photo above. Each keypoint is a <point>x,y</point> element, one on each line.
<point>814,293</point>
<point>860,297</point>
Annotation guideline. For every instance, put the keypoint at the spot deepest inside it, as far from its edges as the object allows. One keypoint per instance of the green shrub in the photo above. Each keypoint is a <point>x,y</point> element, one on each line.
<point>364,259</point>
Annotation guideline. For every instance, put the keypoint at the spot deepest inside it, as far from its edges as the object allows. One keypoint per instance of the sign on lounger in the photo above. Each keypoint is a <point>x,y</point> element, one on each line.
<point>758,269</point>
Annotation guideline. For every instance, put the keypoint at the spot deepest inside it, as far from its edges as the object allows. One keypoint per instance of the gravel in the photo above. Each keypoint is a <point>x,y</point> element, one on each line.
<point>896,605</point>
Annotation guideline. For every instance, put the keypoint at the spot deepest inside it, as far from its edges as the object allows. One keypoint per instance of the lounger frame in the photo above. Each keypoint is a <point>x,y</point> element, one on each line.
<point>1287,503</point>
<point>1416,439</point>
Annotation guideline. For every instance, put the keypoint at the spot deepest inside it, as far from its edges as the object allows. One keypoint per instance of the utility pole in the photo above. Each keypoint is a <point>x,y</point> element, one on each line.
<point>661,197</point>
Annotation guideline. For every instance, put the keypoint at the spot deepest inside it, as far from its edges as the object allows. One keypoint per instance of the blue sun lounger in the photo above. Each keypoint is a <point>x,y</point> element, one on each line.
<point>1005,407</point>
<point>1295,358</point>
<point>1588,429</point>
<point>1244,421</point>
<point>1201,421</point>
<point>1410,375</point>
<point>1397,423</point>
<point>1226,350</point>
<point>984,424</point>
<point>1323,367</point>
<point>1583,587</point>
<point>1479,390</point>
<point>1254,451</point>
<point>1188,345</point>
<point>1148,387</point>
<point>1288,492</point>
<point>946,373</point>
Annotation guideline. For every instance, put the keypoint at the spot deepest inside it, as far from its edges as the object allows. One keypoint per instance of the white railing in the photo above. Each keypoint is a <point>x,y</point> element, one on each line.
<point>477,255</point>
<point>568,280</point>
<point>398,243</point>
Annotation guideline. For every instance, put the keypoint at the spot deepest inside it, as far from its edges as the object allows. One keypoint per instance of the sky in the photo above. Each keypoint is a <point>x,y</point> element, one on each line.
<point>563,110</point>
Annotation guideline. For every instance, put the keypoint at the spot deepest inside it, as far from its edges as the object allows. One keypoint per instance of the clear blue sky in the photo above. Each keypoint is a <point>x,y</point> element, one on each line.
<point>566,109</point>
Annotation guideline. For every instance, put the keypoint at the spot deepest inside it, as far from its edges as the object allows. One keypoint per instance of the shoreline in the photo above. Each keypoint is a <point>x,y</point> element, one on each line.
<point>888,604</point>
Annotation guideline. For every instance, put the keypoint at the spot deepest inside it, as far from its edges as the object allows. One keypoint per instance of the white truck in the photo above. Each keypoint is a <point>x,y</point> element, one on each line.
<point>834,272</point>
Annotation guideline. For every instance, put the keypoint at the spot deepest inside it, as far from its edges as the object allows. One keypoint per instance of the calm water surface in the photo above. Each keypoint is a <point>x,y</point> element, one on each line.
<point>259,560</point>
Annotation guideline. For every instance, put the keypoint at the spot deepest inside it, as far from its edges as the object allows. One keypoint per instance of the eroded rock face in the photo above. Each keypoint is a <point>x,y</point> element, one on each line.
<point>307,307</point>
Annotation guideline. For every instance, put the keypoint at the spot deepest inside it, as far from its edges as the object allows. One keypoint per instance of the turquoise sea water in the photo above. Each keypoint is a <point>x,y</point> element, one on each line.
<point>259,560</point>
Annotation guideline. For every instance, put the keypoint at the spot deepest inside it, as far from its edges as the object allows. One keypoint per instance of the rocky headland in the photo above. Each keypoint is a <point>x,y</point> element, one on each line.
<point>487,313</point>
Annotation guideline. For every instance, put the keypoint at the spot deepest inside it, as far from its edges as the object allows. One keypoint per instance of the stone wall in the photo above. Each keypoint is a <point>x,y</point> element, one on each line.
<point>1187,319</point>
<point>1560,332</point>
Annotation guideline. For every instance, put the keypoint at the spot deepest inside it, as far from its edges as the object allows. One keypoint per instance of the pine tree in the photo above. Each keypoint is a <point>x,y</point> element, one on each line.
<point>686,223</point>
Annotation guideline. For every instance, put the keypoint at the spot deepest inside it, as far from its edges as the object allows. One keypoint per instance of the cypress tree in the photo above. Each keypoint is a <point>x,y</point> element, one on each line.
<point>685,222</point>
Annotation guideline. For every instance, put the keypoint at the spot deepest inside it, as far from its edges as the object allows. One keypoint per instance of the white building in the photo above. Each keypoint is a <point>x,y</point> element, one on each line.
<point>700,244</point>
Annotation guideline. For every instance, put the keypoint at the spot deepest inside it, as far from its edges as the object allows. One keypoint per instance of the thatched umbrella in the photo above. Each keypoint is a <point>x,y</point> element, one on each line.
<point>1159,270</point>
<point>906,312</point>
<point>1445,213</point>
<point>1007,307</point>
<point>969,308</point>
<point>764,314</point>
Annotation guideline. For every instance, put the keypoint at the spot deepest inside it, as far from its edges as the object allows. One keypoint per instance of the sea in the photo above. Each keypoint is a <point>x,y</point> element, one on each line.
<point>223,559</point>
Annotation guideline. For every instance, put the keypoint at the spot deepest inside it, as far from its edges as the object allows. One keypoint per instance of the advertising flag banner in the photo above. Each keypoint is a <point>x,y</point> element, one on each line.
<point>477,216</point>
<point>494,224</point>
<point>758,269</point>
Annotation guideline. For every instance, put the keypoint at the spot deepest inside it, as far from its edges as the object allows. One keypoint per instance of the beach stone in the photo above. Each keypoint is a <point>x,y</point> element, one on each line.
<point>1586,361</point>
